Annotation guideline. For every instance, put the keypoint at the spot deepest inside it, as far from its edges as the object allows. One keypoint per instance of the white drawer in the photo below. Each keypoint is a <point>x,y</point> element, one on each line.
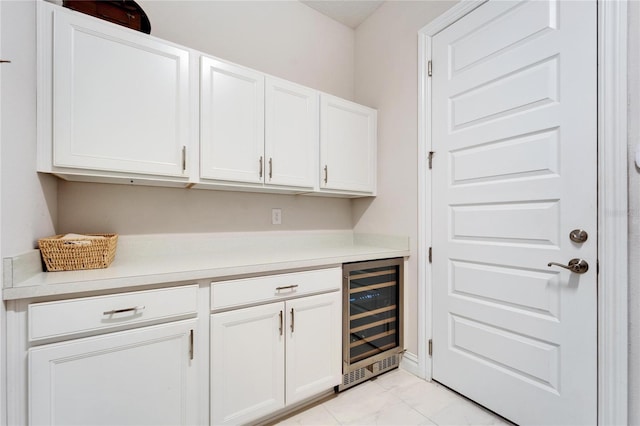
<point>63,317</point>
<point>275,287</point>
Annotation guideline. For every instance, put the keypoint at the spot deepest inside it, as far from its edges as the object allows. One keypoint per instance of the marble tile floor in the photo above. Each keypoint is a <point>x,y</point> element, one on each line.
<point>396,398</point>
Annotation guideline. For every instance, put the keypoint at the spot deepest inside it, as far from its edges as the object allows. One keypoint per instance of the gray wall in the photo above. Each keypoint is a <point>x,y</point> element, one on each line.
<point>85,208</point>
<point>283,38</point>
<point>28,200</point>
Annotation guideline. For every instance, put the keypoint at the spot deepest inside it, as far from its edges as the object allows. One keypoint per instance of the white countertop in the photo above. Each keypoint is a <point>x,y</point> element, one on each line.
<point>155,259</point>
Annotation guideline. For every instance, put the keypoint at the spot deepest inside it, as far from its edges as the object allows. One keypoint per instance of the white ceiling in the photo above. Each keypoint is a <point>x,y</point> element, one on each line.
<point>349,12</point>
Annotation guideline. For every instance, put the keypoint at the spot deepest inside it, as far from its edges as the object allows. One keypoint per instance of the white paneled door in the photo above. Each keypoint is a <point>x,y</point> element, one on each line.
<point>514,173</point>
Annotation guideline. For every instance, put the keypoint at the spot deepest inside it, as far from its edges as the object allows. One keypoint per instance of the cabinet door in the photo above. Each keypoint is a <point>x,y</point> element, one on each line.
<point>291,135</point>
<point>120,99</point>
<point>138,377</point>
<point>231,122</point>
<point>247,363</point>
<point>347,146</point>
<point>314,345</point>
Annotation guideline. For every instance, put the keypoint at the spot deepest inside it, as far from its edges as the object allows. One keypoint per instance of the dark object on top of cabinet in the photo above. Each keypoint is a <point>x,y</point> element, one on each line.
<point>122,12</point>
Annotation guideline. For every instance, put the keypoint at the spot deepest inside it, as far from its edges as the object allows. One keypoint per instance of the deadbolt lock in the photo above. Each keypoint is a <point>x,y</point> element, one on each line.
<point>578,235</point>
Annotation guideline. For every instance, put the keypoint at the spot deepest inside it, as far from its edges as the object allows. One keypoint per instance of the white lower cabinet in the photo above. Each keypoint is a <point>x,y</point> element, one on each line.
<point>266,357</point>
<point>247,364</point>
<point>314,345</point>
<point>145,358</point>
<point>136,377</point>
<point>120,359</point>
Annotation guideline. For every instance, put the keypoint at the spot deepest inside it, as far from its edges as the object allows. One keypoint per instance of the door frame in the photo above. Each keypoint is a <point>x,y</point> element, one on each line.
<point>612,203</point>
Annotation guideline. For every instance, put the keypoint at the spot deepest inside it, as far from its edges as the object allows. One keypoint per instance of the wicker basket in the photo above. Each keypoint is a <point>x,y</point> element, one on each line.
<point>75,254</point>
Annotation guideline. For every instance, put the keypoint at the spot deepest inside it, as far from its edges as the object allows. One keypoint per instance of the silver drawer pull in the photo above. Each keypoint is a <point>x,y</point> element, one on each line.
<point>287,287</point>
<point>119,311</point>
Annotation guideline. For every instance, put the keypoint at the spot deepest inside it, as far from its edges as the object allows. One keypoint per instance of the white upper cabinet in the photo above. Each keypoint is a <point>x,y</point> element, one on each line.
<point>291,137</point>
<point>119,106</point>
<point>120,99</point>
<point>231,122</point>
<point>255,129</point>
<point>347,146</point>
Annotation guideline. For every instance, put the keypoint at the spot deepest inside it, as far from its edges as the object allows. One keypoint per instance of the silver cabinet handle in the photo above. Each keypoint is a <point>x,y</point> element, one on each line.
<point>326,173</point>
<point>270,168</point>
<point>281,323</point>
<point>260,167</point>
<point>292,320</point>
<point>287,287</point>
<point>3,61</point>
<point>191,345</point>
<point>578,266</point>
<point>119,311</point>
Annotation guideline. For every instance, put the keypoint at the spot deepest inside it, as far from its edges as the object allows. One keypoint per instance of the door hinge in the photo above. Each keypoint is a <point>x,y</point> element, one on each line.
<point>430,254</point>
<point>191,345</point>
<point>429,68</point>
<point>430,347</point>
<point>431,154</point>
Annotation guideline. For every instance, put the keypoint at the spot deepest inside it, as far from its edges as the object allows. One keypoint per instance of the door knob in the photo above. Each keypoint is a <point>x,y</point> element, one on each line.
<point>579,266</point>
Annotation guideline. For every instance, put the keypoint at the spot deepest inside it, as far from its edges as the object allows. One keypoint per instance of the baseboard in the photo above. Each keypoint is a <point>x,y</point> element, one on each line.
<point>409,363</point>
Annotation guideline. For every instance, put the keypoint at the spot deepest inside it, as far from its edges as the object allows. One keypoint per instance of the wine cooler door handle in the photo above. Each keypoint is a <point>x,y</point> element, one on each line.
<point>292,320</point>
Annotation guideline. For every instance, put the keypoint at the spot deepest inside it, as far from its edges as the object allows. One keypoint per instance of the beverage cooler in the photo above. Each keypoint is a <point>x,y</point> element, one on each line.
<point>372,319</point>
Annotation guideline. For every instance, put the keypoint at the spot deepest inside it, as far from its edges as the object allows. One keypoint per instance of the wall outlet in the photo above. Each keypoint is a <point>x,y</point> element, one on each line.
<point>276,216</point>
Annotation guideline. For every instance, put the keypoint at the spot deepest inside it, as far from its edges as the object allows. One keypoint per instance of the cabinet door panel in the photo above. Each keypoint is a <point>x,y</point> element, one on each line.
<point>247,364</point>
<point>231,122</point>
<point>291,137</point>
<point>121,99</point>
<point>314,345</point>
<point>347,146</point>
<point>138,377</point>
